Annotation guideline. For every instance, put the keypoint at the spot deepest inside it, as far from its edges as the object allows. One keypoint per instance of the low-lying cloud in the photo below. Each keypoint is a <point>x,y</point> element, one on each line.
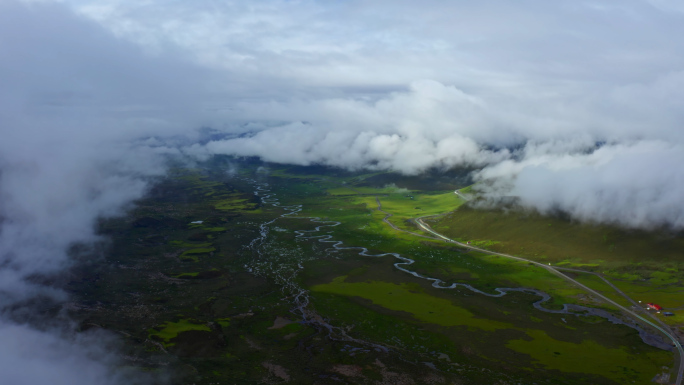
<point>566,157</point>
<point>73,100</point>
<point>634,184</point>
<point>429,126</point>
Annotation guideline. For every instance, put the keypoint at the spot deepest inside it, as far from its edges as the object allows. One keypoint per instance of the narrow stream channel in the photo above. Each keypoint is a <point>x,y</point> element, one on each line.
<point>300,297</point>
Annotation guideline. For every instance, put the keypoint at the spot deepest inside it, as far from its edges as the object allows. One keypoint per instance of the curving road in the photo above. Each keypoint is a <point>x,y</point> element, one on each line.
<point>665,329</point>
<point>392,225</point>
<point>623,294</point>
<point>555,270</point>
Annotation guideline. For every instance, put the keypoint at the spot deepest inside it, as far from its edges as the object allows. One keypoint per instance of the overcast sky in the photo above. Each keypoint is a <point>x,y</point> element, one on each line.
<point>571,105</point>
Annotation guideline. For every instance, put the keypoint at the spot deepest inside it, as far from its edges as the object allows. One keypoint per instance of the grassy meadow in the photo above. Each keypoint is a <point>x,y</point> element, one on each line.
<point>361,224</point>
<point>197,300</point>
<point>647,266</point>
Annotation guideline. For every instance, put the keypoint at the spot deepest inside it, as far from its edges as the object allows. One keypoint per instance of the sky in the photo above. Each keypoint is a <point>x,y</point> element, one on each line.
<point>569,105</point>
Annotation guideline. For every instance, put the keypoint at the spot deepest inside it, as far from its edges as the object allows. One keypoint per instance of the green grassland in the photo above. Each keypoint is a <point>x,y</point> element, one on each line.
<point>402,203</point>
<point>403,208</point>
<point>419,205</point>
<point>602,287</point>
<point>487,272</point>
<point>622,365</point>
<point>466,190</point>
<point>362,224</point>
<point>514,273</point>
<point>559,240</point>
<point>186,275</point>
<point>216,192</point>
<point>498,335</point>
<point>170,330</point>
<point>189,244</point>
<point>401,297</point>
<point>671,297</point>
<point>647,266</point>
<point>213,303</point>
<point>195,254</point>
<point>237,201</point>
<point>344,190</point>
<point>545,351</point>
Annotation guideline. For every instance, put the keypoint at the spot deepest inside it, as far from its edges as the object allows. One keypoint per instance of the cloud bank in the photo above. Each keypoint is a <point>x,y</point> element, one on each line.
<point>73,100</point>
<point>566,156</point>
<point>515,89</point>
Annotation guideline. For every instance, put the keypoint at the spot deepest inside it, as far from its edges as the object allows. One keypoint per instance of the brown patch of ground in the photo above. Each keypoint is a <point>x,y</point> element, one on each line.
<point>348,370</point>
<point>280,323</point>
<point>434,378</point>
<point>393,378</point>
<point>252,344</point>
<point>243,315</point>
<point>276,370</point>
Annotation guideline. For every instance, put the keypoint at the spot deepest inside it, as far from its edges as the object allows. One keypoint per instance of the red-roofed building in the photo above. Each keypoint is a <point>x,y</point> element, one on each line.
<point>654,306</point>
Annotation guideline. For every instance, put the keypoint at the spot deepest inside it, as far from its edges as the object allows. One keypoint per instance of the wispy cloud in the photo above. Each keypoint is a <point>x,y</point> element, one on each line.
<point>73,98</point>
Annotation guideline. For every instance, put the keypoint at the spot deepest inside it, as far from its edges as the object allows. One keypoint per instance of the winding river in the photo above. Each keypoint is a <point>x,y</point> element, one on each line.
<point>284,276</point>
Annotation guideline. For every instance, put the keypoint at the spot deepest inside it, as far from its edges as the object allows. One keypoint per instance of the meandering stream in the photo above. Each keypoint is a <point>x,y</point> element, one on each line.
<point>284,275</point>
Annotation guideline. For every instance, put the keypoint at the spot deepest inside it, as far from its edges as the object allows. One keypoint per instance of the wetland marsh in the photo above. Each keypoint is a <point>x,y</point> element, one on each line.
<point>292,276</point>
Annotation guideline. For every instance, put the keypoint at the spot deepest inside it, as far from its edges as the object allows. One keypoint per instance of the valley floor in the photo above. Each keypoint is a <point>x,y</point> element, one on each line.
<point>290,275</point>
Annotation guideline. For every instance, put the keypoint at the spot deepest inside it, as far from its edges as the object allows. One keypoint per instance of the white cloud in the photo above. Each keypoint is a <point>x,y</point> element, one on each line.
<point>73,98</point>
<point>429,126</point>
<point>633,184</point>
